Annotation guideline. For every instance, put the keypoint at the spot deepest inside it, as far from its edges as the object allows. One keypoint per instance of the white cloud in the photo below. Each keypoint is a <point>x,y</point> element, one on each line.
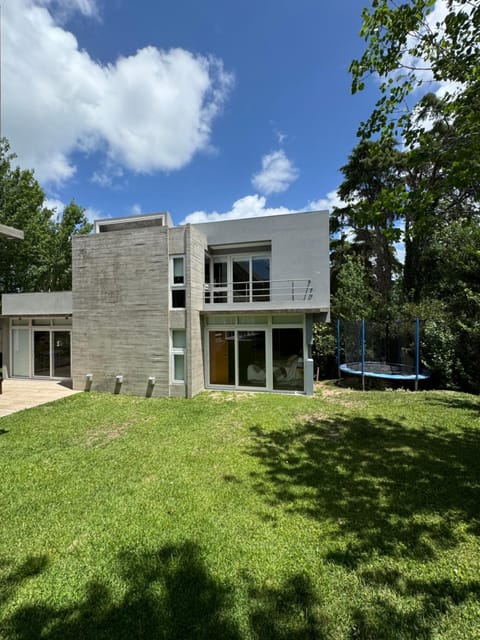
<point>277,174</point>
<point>64,8</point>
<point>252,206</point>
<point>136,209</point>
<point>330,201</point>
<point>151,111</point>
<point>57,206</point>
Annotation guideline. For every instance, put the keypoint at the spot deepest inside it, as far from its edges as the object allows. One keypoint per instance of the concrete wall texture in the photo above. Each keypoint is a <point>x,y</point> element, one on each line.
<point>37,304</point>
<point>120,310</point>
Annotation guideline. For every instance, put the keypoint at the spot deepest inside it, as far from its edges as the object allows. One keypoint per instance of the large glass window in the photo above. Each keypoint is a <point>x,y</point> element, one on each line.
<point>61,354</point>
<point>250,355</point>
<point>41,353</point>
<point>287,349</point>
<point>20,352</point>
<point>220,281</point>
<point>261,279</point>
<point>252,371</point>
<point>222,357</point>
<point>42,349</point>
<point>241,280</point>
<point>238,279</point>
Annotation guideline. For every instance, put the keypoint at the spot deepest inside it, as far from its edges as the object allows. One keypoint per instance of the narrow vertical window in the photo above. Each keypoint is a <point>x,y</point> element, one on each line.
<point>177,282</point>
<point>179,343</point>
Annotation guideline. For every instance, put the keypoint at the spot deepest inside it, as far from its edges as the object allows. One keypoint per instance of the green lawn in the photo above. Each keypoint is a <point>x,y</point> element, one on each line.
<point>344,516</point>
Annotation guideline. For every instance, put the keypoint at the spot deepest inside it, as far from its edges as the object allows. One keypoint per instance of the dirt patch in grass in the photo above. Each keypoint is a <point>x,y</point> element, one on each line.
<point>102,436</point>
<point>238,396</point>
<point>323,424</point>
<point>343,396</point>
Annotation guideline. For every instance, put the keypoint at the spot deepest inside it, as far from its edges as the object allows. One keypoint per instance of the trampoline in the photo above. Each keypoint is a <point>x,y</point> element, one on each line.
<point>389,351</point>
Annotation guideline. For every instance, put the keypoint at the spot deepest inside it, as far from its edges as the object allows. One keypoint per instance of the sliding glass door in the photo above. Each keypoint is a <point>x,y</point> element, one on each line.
<point>61,366</point>
<point>41,353</point>
<point>238,279</point>
<point>51,353</point>
<point>253,354</point>
<point>237,358</point>
<point>21,352</point>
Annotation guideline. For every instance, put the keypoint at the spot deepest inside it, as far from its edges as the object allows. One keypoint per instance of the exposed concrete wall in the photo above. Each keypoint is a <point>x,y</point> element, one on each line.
<point>176,241</point>
<point>37,304</point>
<point>196,244</point>
<point>120,310</point>
<point>300,246</point>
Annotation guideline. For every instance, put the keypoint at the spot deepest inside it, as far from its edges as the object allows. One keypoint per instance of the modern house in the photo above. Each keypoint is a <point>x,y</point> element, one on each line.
<point>160,310</point>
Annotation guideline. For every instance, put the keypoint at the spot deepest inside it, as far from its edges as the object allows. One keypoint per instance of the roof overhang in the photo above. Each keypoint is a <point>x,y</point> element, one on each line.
<point>11,232</point>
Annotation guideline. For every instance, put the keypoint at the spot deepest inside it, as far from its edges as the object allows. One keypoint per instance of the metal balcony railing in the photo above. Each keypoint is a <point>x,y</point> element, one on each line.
<point>271,291</point>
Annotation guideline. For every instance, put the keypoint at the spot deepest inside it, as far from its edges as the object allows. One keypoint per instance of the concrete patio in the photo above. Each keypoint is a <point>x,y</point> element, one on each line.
<point>24,394</point>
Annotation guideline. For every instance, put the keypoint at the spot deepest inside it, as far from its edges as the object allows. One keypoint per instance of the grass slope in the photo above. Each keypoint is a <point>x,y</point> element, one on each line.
<point>342,516</point>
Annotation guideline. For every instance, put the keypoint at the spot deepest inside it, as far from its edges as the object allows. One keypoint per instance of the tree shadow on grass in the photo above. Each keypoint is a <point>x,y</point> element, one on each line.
<point>12,577</point>
<point>390,492</point>
<point>389,489</point>
<point>170,594</point>
<point>289,612</point>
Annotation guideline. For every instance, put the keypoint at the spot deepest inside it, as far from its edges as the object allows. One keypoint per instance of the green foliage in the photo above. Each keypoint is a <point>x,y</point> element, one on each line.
<point>372,187</point>
<point>24,264</point>
<point>71,222</point>
<point>438,347</point>
<point>354,298</point>
<point>325,349</point>
<point>42,261</point>
<point>431,187</point>
<point>404,48</point>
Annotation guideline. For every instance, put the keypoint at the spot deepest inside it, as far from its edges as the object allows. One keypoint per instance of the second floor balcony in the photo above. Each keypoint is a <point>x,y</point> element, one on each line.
<point>260,295</point>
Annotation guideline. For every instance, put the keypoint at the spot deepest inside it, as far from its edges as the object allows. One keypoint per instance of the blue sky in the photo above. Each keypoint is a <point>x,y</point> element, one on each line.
<point>199,108</point>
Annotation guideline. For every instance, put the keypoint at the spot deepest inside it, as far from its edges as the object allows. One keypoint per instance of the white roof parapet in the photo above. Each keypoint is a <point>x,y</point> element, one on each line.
<point>11,232</point>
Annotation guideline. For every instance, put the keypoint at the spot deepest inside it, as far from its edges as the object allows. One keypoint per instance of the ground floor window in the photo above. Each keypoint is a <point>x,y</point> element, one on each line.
<point>266,357</point>
<point>287,352</point>
<point>41,348</point>
<point>179,343</point>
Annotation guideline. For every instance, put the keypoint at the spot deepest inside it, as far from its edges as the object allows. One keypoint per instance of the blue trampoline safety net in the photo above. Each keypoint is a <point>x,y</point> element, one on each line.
<point>380,350</point>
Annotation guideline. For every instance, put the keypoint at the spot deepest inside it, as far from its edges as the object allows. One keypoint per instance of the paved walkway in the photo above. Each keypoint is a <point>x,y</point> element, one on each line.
<point>23,394</point>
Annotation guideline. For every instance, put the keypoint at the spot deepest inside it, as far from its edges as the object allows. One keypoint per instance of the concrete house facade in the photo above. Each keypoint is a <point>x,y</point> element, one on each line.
<point>160,310</point>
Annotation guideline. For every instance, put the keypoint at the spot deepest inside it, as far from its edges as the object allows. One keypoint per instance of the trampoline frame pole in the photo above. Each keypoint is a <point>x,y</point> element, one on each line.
<point>417,352</point>
<point>363,354</point>
<point>338,349</point>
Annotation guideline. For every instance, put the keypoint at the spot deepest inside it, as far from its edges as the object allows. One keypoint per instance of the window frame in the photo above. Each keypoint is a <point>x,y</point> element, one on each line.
<point>177,352</point>
<point>177,286</point>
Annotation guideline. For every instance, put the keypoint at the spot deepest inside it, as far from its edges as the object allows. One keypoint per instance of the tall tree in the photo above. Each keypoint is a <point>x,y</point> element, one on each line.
<point>24,265</point>
<point>42,261</point>
<point>373,183</point>
<point>406,44</point>
<point>71,222</point>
